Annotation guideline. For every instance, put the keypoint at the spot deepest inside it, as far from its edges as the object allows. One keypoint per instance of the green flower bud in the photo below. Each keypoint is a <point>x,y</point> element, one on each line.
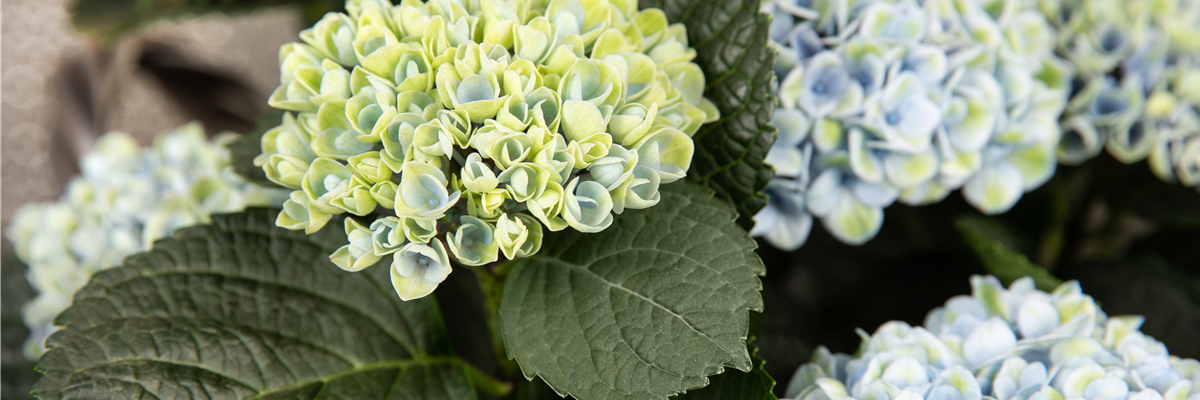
<point>667,151</point>
<point>567,49</point>
<point>584,127</point>
<point>292,57</point>
<point>534,40</point>
<point>387,236</point>
<point>521,77</point>
<point>548,206</point>
<point>402,66</point>
<point>369,167</point>
<point>298,215</point>
<point>417,102</point>
<point>544,105</point>
<point>615,169</point>
<point>524,181</point>
<point>638,193</point>
<point>286,153</point>
<point>486,205</point>
<point>473,243</point>
<point>384,193</point>
<point>360,252</point>
<point>477,176</point>
<point>419,230</point>
<point>587,206</point>
<point>336,139</point>
<point>586,18</point>
<point>423,193</point>
<point>398,140</point>
<point>333,37</point>
<point>369,113</point>
<point>418,268</point>
<point>556,158</point>
<point>325,181</point>
<point>594,81</point>
<point>310,87</point>
<point>518,236</point>
<point>631,122</point>
<point>470,84</point>
<point>514,114</point>
<point>431,142</point>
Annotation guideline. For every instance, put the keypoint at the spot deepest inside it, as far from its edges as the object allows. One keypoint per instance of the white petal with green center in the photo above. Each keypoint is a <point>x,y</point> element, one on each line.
<point>418,268</point>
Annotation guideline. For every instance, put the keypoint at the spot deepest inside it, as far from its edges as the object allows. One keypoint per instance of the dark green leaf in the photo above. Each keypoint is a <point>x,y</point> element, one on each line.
<point>994,245</point>
<point>249,145</point>
<point>243,309</point>
<point>109,18</point>
<point>18,374</point>
<point>648,308</point>
<point>753,385</point>
<point>730,38</point>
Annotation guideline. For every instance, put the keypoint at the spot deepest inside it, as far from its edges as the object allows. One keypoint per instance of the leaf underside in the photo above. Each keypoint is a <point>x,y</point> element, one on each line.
<point>243,309</point>
<point>730,38</point>
<point>645,309</point>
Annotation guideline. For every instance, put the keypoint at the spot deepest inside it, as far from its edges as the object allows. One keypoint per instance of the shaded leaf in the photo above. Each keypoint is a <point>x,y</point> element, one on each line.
<point>730,38</point>
<point>994,245</point>
<point>648,308</point>
<point>18,374</point>
<point>249,145</point>
<point>756,384</point>
<point>240,309</point>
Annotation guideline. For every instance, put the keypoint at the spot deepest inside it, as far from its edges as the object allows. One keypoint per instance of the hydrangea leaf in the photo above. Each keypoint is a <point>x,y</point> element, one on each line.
<point>18,371</point>
<point>753,385</point>
<point>240,309</point>
<point>730,38</point>
<point>648,308</point>
<point>990,242</point>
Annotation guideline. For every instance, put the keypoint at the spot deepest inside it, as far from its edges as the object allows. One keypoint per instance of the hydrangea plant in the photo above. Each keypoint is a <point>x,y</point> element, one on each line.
<point>903,100</point>
<point>1139,67</point>
<point>998,343</point>
<point>461,130</point>
<point>126,198</point>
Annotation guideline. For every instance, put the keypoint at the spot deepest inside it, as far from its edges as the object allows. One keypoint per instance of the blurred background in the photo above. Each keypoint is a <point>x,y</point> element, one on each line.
<point>1132,240</point>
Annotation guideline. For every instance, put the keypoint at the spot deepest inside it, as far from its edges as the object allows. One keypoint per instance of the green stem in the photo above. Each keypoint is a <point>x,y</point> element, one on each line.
<point>1054,235</point>
<point>486,383</point>
<point>491,283</point>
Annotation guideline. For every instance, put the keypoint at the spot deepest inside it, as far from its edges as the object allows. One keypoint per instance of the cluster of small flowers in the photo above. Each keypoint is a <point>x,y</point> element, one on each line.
<point>126,198</point>
<point>905,100</point>
<point>1014,344</point>
<point>1139,67</point>
<point>475,123</point>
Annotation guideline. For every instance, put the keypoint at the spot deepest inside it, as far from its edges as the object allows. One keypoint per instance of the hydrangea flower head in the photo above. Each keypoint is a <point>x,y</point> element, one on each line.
<point>459,131</point>
<point>1005,344</point>
<point>907,100</point>
<point>126,198</point>
<point>1137,61</point>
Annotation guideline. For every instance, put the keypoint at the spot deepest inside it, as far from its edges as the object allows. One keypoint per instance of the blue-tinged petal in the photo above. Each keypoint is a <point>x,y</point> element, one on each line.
<point>996,188</point>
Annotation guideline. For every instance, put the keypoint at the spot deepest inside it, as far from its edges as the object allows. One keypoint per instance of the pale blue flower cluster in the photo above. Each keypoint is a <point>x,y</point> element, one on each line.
<point>1139,70</point>
<point>906,100</point>
<point>1006,344</point>
<point>126,198</point>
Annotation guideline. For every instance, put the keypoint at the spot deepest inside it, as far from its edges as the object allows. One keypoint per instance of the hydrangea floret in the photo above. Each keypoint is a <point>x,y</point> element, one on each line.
<point>1005,344</point>
<point>456,131</point>
<point>126,198</point>
<point>1139,70</point>
<point>885,101</point>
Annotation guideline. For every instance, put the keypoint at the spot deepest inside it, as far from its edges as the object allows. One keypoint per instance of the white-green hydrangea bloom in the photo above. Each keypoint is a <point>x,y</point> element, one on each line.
<point>473,126</point>
<point>1002,343</point>
<point>907,100</point>
<point>127,198</point>
<point>1138,68</point>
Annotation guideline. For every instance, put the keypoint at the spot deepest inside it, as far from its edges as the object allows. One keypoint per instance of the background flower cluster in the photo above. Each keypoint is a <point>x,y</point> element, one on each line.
<point>886,101</point>
<point>126,198</point>
<point>1015,343</point>
<point>474,125</point>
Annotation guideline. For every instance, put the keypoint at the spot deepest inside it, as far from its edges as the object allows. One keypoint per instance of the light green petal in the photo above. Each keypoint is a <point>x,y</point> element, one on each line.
<point>418,268</point>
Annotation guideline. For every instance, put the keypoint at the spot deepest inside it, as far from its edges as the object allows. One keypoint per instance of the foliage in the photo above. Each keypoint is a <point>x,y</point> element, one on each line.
<point>730,38</point>
<point>655,305</point>
<point>242,308</point>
